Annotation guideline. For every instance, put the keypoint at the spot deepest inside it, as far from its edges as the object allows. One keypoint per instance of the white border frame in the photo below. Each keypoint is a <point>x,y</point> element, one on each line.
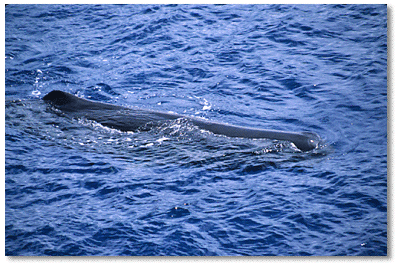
<point>390,258</point>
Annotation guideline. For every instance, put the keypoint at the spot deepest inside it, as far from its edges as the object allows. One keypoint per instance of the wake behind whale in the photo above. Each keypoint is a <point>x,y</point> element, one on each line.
<point>133,119</point>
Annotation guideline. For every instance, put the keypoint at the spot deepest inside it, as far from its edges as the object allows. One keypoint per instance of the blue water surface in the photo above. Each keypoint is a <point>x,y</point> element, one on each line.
<point>74,187</point>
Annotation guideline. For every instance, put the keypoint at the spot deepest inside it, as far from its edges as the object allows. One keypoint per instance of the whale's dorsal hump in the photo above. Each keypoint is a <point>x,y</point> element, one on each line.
<point>58,98</point>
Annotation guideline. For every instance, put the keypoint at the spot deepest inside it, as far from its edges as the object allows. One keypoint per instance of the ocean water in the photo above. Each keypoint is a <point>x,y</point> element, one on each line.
<point>74,187</point>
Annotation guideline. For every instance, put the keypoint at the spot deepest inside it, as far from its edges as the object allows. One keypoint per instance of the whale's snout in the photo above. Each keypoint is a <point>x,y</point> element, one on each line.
<point>313,139</point>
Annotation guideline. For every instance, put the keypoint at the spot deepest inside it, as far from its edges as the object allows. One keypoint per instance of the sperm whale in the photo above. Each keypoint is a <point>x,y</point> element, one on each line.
<point>133,119</point>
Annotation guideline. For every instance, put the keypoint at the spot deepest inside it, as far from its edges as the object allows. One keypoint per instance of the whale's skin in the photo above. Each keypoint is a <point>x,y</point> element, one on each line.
<point>133,119</point>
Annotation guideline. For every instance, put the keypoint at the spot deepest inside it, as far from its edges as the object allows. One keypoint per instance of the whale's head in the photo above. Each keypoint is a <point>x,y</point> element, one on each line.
<point>308,141</point>
<point>311,141</point>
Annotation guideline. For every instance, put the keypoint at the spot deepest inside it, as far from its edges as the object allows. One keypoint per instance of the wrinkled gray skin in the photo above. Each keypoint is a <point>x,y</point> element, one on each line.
<point>130,119</point>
